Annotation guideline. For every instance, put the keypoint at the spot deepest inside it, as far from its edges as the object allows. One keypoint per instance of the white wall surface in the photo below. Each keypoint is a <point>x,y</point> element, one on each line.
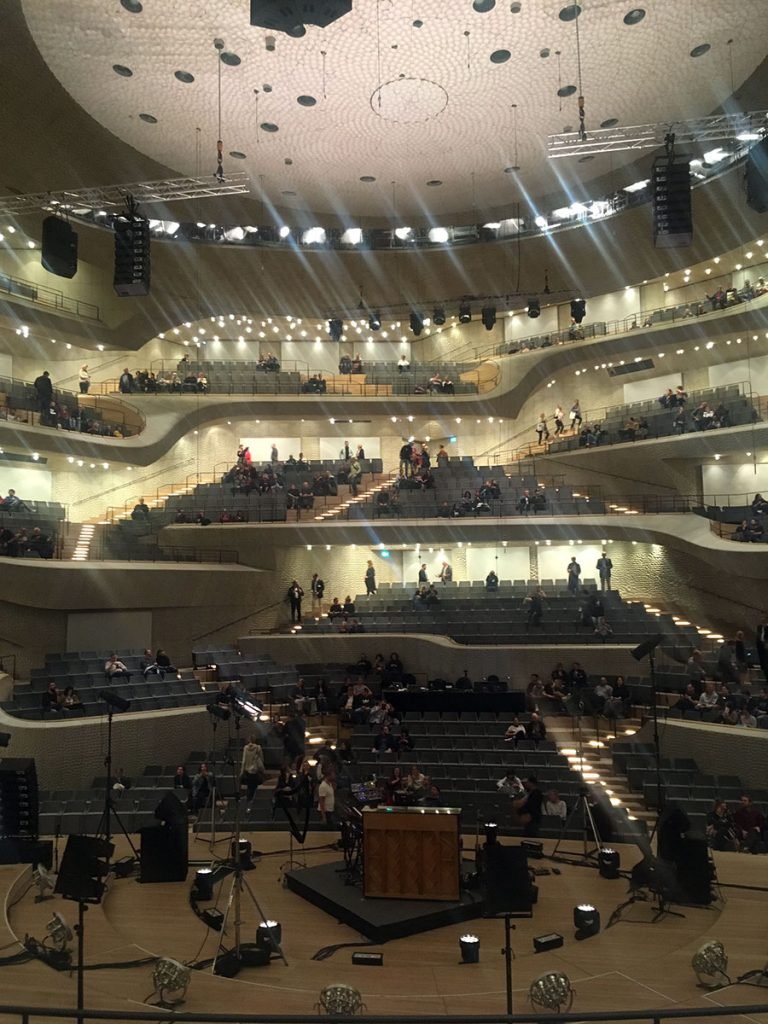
<point>641,390</point>
<point>91,631</point>
<point>753,370</point>
<point>29,484</point>
<point>554,560</point>
<point>331,447</point>
<point>510,563</point>
<point>261,447</point>
<point>729,479</point>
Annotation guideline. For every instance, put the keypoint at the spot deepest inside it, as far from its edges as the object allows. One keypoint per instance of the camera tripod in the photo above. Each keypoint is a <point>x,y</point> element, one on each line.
<point>581,816</point>
<point>104,828</point>
<point>212,840</point>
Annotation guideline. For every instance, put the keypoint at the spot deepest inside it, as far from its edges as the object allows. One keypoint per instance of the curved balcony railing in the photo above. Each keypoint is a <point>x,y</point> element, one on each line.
<point>51,298</point>
<point>88,414</point>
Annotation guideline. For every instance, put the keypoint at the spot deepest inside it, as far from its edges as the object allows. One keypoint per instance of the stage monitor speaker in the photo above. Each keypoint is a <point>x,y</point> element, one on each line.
<point>506,884</point>
<point>164,853</point>
<point>59,247</point>
<point>672,212</point>
<point>757,177</point>
<point>26,851</point>
<point>694,872</point>
<point>83,868</point>
<point>171,811</point>
<point>647,647</point>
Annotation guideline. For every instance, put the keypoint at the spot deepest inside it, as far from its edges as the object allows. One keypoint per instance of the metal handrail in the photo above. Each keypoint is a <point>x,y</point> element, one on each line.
<point>628,324</point>
<point>50,297</point>
<point>28,403</point>
<point>646,407</point>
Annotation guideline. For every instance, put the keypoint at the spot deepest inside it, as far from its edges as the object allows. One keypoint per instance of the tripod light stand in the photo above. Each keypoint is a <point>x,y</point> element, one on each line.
<point>114,702</point>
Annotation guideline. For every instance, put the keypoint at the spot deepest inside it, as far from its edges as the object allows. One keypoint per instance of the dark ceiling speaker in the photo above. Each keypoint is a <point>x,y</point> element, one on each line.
<point>59,247</point>
<point>288,15</point>
<point>578,309</point>
<point>438,316</point>
<point>488,316</point>
<point>465,313</point>
<point>534,308</point>
<point>416,322</point>
<point>647,647</point>
<point>335,329</point>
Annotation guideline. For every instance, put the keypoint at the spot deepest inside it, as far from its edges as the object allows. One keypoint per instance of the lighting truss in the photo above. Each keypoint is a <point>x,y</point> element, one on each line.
<point>167,190</point>
<point>740,128</point>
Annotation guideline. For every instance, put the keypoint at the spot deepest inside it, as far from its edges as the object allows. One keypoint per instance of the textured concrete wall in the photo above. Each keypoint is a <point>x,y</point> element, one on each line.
<point>717,749</point>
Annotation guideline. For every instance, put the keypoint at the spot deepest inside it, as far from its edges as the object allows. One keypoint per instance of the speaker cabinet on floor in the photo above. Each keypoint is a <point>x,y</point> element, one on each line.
<point>506,884</point>
<point>164,853</point>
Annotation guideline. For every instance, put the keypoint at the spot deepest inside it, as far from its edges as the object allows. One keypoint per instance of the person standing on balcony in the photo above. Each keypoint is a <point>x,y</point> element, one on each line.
<point>542,429</point>
<point>44,388</point>
<point>559,424</point>
<point>370,579</point>
<point>295,594</point>
<point>604,567</point>
<point>574,572</point>
<point>85,379</point>
<point>575,415</point>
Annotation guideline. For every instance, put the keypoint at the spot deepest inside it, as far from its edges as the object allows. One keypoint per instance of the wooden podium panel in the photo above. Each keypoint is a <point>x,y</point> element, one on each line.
<point>412,853</point>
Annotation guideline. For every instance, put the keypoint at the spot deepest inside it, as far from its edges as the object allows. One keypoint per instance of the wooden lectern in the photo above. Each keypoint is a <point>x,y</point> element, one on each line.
<point>412,853</point>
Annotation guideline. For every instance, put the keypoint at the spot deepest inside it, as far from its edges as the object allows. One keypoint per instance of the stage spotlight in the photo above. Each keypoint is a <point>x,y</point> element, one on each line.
<point>586,921</point>
<point>608,861</point>
<point>335,328</point>
<point>488,316</point>
<point>438,316</point>
<point>171,980</point>
<point>217,711</point>
<point>269,935</point>
<point>470,949</point>
<point>710,964</point>
<point>59,933</point>
<point>534,308</point>
<point>340,1001</point>
<point>578,309</point>
<point>491,832</point>
<point>417,322</point>
<point>204,884</point>
<point>374,321</point>
<point>465,313</point>
<point>551,991</point>
<point>242,854</point>
<point>43,883</point>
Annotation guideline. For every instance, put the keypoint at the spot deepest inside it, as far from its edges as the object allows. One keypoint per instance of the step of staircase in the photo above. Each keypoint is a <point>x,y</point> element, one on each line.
<point>588,748</point>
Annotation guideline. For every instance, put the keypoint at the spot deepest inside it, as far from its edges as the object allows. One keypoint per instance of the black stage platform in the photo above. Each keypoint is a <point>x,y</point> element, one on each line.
<point>379,920</point>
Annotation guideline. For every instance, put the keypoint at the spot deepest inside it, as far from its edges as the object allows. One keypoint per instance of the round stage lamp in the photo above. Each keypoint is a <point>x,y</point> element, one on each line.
<point>340,1001</point>
<point>241,854</point>
<point>491,832</point>
<point>204,884</point>
<point>269,935</point>
<point>608,862</point>
<point>710,964</point>
<point>470,949</point>
<point>551,991</point>
<point>171,981</point>
<point>586,920</point>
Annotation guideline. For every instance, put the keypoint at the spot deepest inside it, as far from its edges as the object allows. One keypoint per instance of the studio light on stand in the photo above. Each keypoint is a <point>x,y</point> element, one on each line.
<point>204,884</point>
<point>491,832</point>
<point>608,862</point>
<point>43,883</point>
<point>171,980</point>
<point>586,921</point>
<point>269,935</point>
<point>241,852</point>
<point>470,949</point>
<point>710,964</point>
<point>60,935</point>
<point>551,991</point>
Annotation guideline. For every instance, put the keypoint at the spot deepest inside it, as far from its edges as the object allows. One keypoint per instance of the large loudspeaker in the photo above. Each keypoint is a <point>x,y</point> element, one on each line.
<point>694,873</point>
<point>132,265</point>
<point>171,811</point>
<point>672,214</point>
<point>59,247</point>
<point>757,177</point>
<point>164,853</point>
<point>647,646</point>
<point>18,798</point>
<point>506,883</point>
<point>83,868</point>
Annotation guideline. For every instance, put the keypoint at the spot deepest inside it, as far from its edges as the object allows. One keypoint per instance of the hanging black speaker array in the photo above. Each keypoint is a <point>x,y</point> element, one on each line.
<point>672,213</point>
<point>18,798</point>
<point>132,264</point>
<point>59,247</point>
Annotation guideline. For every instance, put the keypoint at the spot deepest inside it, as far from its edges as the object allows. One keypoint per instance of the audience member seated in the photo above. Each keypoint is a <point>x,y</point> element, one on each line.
<point>510,784</point>
<point>749,823</point>
<point>140,511</point>
<point>70,700</point>
<point>384,742</point>
<point>535,730</point>
<point>555,806</point>
<point>405,742</point>
<point>527,809</point>
<point>515,731</point>
<point>491,582</point>
<point>720,829</point>
<point>115,669</point>
<point>51,698</point>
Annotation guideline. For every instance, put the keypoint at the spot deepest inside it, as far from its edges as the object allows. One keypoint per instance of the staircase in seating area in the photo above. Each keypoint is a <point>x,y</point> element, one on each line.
<point>594,739</point>
<point>336,507</point>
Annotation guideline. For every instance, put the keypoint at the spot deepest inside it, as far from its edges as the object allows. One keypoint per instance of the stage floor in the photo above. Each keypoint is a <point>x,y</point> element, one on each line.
<point>380,920</point>
<point>632,965</point>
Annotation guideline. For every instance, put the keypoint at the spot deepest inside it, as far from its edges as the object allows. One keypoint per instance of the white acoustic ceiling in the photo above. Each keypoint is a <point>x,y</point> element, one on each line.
<point>419,93</point>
